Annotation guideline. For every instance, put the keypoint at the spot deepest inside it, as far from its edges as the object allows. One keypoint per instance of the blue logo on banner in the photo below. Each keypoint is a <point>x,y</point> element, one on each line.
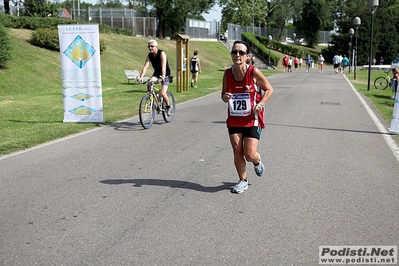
<point>82,96</point>
<point>83,110</point>
<point>79,52</point>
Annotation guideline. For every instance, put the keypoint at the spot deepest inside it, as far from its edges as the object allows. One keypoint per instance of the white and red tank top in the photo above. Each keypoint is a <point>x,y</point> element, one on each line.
<point>245,96</point>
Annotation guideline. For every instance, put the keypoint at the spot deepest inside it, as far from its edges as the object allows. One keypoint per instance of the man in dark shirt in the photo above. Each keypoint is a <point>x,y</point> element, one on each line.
<point>161,69</point>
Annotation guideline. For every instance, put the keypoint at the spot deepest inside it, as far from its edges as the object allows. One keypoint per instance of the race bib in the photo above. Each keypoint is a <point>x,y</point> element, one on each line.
<point>240,104</point>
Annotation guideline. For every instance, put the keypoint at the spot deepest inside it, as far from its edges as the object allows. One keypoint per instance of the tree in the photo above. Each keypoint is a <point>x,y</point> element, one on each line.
<point>273,13</point>
<point>172,14</point>
<point>250,12</point>
<point>314,17</point>
<point>385,31</point>
<point>7,6</point>
<point>40,8</point>
<point>281,12</point>
<point>386,35</point>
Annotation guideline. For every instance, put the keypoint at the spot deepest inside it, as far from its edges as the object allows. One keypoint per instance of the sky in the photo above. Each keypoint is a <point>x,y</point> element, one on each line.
<point>214,14</point>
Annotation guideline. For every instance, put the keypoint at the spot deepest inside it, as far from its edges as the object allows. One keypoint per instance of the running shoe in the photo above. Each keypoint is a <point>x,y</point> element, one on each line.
<point>169,110</point>
<point>240,187</point>
<point>260,168</point>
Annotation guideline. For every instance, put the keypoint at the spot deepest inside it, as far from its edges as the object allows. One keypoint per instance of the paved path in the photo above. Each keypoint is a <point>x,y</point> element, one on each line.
<point>121,195</point>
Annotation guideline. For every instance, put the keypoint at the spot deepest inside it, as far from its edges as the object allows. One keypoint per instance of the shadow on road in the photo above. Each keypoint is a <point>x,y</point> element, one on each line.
<point>332,129</point>
<point>168,183</point>
<point>130,126</point>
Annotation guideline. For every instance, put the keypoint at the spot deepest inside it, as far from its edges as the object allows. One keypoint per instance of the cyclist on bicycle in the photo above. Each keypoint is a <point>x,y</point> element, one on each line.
<point>161,69</point>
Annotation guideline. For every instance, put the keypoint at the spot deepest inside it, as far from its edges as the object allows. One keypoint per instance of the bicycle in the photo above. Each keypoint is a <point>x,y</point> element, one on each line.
<point>381,83</point>
<point>153,102</point>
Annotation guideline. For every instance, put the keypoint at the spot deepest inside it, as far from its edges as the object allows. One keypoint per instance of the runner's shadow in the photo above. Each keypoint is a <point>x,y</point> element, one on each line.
<point>130,126</point>
<point>168,183</point>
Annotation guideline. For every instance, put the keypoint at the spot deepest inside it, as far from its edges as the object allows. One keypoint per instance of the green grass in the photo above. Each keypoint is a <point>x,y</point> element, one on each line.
<point>31,106</point>
<point>381,99</point>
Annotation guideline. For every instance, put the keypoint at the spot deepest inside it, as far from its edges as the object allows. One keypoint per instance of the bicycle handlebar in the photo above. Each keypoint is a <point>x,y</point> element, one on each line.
<point>147,80</point>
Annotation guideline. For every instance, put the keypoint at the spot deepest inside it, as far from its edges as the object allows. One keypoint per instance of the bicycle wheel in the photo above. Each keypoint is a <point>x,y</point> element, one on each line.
<point>168,116</point>
<point>381,83</point>
<point>146,111</point>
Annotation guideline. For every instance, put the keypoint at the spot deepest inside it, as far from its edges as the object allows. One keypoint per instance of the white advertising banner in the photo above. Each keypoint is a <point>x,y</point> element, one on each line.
<point>394,128</point>
<point>81,73</point>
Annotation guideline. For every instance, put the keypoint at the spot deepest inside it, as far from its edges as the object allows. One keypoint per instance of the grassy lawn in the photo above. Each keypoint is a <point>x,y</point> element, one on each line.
<point>381,99</point>
<point>31,106</point>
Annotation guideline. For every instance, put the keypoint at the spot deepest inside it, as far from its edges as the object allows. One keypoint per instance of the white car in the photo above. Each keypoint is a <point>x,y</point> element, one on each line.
<point>289,40</point>
<point>302,41</point>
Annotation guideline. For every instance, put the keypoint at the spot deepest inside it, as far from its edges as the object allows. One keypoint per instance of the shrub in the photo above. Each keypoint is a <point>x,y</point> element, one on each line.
<point>5,47</point>
<point>48,38</point>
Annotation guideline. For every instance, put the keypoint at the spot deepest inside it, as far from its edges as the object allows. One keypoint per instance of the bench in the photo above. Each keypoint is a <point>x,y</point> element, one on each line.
<point>378,67</point>
<point>131,74</point>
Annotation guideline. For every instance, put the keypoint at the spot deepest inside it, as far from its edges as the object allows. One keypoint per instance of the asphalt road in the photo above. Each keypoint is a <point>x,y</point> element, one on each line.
<point>121,195</point>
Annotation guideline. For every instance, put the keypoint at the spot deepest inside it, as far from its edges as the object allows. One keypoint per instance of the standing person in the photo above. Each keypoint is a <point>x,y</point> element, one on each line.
<point>296,62</point>
<point>195,68</point>
<point>226,35</point>
<point>246,90</point>
<point>336,63</point>
<point>344,63</point>
<point>395,81</point>
<point>161,73</point>
<point>248,60</point>
<point>290,64</point>
<point>320,60</point>
<point>309,61</point>
<point>285,63</point>
<point>300,62</point>
<point>382,60</point>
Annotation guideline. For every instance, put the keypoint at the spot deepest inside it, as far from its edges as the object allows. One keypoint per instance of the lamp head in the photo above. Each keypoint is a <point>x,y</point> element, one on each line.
<point>357,21</point>
<point>351,31</point>
<point>373,3</point>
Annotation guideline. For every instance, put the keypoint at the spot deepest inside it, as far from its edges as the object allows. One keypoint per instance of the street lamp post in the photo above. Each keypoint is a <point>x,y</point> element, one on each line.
<point>253,17</point>
<point>374,6</point>
<point>351,32</point>
<point>270,40</point>
<point>356,23</point>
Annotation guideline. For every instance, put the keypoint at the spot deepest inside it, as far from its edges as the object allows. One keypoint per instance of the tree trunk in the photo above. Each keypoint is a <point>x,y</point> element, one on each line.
<point>7,6</point>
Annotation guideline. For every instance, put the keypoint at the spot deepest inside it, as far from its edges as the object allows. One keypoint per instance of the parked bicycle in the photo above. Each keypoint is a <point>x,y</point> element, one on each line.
<point>153,102</point>
<point>381,83</point>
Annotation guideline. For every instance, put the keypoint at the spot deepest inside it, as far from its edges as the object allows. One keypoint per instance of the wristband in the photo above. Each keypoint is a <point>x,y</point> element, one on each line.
<point>262,104</point>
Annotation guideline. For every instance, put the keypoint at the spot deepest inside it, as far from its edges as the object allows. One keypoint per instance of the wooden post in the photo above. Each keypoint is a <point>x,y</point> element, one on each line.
<point>183,63</point>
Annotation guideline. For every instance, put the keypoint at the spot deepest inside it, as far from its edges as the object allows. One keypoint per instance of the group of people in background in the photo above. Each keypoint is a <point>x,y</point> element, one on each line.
<point>340,63</point>
<point>375,60</point>
<point>288,62</point>
<point>297,62</point>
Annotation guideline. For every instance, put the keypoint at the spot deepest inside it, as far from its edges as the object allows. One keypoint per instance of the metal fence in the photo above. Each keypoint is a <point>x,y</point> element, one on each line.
<point>234,33</point>
<point>198,29</point>
<point>122,18</point>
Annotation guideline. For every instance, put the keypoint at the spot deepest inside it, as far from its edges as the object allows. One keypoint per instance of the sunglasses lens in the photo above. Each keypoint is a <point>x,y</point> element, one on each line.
<point>150,46</point>
<point>234,52</point>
